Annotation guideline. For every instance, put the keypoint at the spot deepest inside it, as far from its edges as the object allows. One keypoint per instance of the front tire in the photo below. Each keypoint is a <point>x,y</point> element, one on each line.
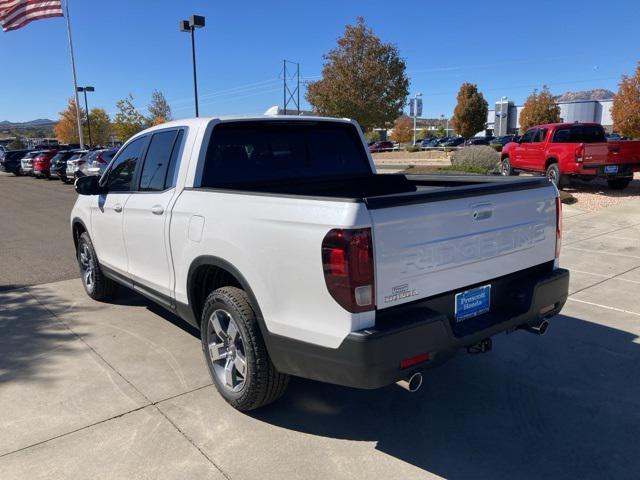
<point>505,168</point>
<point>97,286</point>
<point>235,352</point>
<point>618,183</point>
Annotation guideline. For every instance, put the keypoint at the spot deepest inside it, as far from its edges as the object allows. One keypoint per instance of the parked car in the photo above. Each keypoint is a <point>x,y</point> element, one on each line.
<point>382,146</point>
<point>430,142</point>
<point>477,141</point>
<point>11,161</point>
<point>74,163</point>
<point>614,137</point>
<point>294,257</point>
<point>97,161</point>
<point>41,163</point>
<point>560,150</point>
<point>26,162</point>
<point>58,164</point>
<point>452,142</point>
<point>504,139</point>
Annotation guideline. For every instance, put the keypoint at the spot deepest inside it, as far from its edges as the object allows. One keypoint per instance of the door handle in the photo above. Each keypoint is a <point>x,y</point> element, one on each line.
<point>157,210</point>
<point>117,207</point>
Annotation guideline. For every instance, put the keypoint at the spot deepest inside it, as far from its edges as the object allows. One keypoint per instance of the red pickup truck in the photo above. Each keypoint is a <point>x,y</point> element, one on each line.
<point>561,150</point>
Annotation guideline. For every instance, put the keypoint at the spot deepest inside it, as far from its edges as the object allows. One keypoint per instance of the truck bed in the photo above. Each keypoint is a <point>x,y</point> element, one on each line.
<point>388,190</point>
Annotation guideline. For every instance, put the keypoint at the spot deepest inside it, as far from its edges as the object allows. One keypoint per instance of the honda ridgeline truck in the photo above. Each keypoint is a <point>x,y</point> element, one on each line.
<point>276,237</point>
<point>564,150</point>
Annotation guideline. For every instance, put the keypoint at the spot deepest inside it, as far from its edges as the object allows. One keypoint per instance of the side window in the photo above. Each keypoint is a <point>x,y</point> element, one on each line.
<point>159,167</point>
<point>123,168</point>
<point>528,136</point>
<point>172,171</point>
<point>541,133</point>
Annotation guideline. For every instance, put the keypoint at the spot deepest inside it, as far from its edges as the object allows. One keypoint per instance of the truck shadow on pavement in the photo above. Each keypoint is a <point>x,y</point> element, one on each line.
<point>565,405</point>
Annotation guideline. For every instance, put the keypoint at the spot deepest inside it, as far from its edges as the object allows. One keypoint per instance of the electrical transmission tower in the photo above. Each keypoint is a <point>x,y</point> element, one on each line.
<point>291,85</point>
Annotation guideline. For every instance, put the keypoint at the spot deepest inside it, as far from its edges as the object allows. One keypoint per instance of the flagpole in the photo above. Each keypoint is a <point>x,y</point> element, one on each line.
<point>73,70</point>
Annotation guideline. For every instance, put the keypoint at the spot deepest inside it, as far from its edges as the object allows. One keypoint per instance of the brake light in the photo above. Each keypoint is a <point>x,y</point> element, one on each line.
<point>99,159</point>
<point>579,153</point>
<point>347,260</point>
<point>558,228</point>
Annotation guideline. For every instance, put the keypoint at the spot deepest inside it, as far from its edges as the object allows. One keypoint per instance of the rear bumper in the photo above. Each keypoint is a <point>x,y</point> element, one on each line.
<point>371,358</point>
<point>624,170</point>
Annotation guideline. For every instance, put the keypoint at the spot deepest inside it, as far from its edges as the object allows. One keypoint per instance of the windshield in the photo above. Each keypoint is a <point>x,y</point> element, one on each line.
<point>271,151</point>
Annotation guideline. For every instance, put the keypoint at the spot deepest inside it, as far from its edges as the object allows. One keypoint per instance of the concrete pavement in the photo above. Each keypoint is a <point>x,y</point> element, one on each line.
<point>119,390</point>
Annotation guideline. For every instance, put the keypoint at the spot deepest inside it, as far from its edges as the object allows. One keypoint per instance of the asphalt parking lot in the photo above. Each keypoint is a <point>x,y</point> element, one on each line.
<point>119,389</point>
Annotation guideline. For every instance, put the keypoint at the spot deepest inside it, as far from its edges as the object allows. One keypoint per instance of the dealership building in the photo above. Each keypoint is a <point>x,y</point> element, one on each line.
<point>505,118</point>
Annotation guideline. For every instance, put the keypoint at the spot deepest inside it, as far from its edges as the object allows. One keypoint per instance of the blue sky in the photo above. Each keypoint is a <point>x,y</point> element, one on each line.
<point>133,46</point>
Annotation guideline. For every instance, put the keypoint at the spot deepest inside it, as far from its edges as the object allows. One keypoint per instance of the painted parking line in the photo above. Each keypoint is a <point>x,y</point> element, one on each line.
<point>607,307</point>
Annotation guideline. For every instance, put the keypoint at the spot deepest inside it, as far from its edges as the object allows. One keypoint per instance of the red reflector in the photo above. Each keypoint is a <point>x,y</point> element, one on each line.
<point>409,362</point>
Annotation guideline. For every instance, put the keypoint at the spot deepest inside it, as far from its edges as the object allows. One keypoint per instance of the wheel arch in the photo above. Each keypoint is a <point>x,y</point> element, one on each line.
<point>207,273</point>
<point>78,227</point>
<point>549,161</point>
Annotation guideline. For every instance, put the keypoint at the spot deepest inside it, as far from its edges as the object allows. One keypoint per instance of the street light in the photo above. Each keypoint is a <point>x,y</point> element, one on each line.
<point>86,107</point>
<point>415,114</point>
<point>195,21</point>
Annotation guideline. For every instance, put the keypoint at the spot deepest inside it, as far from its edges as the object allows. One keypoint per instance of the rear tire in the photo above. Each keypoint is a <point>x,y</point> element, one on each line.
<point>97,286</point>
<point>235,352</point>
<point>553,174</point>
<point>618,183</point>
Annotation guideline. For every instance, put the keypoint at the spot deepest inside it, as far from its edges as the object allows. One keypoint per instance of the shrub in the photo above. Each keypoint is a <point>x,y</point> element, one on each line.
<point>480,158</point>
<point>413,148</point>
<point>496,146</point>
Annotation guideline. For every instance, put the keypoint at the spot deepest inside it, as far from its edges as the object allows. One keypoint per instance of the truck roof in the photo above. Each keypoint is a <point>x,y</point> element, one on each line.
<point>197,122</point>
<point>567,124</point>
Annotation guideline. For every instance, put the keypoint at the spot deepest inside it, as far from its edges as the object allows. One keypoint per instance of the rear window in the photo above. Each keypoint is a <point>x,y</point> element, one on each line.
<point>244,153</point>
<point>580,134</point>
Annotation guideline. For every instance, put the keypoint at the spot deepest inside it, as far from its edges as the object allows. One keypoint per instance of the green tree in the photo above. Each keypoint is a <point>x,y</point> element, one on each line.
<point>362,78</point>
<point>159,109</point>
<point>372,136</point>
<point>16,144</point>
<point>100,126</point>
<point>128,120</point>
<point>625,110</point>
<point>539,108</point>
<point>470,114</point>
<point>440,132</point>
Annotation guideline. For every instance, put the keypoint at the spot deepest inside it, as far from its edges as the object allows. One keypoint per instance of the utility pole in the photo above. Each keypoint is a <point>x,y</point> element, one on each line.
<point>290,96</point>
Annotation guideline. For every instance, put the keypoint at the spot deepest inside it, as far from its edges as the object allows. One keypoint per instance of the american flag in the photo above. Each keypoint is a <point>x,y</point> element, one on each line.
<point>15,14</point>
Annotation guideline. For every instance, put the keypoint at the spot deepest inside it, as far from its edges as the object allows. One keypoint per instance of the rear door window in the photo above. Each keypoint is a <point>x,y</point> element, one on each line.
<point>159,164</point>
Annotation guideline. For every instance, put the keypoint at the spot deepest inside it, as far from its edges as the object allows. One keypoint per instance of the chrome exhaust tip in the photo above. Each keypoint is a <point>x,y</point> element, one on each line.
<point>539,329</point>
<point>411,383</point>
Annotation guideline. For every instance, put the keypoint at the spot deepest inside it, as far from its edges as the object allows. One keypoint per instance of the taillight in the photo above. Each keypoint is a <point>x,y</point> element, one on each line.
<point>347,259</point>
<point>558,227</point>
<point>99,159</point>
<point>579,153</point>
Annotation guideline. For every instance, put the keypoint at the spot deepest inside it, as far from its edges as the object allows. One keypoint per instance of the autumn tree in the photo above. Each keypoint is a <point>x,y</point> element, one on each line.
<point>625,110</point>
<point>362,78</point>
<point>470,114</point>
<point>539,108</point>
<point>66,130</point>
<point>128,120</point>
<point>402,130</point>
<point>100,126</point>
<point>159,109</point>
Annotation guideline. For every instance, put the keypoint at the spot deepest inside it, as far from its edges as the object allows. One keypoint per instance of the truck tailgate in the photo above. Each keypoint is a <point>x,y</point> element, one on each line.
<point>443,243</point>
<point>624,152</point>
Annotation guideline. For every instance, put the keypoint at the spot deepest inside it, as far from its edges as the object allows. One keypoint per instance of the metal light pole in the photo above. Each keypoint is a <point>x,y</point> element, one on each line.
<point>86,107</point>
<point>195,21</point>
<point>415,114</point>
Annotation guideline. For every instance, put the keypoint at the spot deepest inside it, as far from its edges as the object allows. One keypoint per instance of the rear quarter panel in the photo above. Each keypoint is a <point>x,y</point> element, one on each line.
<point>275,243</point>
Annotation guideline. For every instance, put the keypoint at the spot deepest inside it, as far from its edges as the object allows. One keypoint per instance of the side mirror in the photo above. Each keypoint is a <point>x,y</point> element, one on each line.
<point>88,186</point>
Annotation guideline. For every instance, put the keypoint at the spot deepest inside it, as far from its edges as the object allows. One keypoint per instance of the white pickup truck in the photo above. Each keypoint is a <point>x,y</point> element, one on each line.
<point>277,238</point>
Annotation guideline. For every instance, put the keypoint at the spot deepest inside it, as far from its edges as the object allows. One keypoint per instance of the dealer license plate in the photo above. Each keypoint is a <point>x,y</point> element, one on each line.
<point>611,169</point>
<point>472,303</point>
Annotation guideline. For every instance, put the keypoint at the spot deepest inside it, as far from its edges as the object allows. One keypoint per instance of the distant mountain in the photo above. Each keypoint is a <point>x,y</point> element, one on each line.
<point>39,122</point>
<point>595,94</point>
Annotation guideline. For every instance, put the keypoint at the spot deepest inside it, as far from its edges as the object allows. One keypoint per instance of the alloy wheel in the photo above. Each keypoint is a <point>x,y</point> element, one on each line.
<point>86,266</point>
<point>226,350</point>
